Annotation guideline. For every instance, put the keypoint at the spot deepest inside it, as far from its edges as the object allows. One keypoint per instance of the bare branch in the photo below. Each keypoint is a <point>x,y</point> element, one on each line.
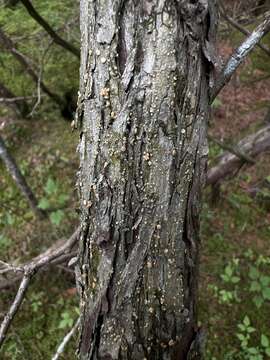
<point>19,179</point>
<point>18,105</point>
<point>240,28</point>
<point>7,43</point>
<point>14,307</point>
<point>42,22</point>
<point>252,145</point>
<point>239,56</point>
<point>29,271</point>
<point>17,98</point>
<point>66,339</point>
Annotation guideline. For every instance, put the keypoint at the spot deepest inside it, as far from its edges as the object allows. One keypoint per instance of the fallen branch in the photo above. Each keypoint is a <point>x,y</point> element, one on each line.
<point>19,179</point>
<point>233,150</point>
<point>239,56</point>
<point>42,22</point>
<point>66,339</point>
<point>251,145</point>
<point>29,270</point>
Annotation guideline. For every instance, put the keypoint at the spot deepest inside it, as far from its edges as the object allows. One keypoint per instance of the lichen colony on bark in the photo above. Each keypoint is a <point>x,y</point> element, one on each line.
<point>145,76</point>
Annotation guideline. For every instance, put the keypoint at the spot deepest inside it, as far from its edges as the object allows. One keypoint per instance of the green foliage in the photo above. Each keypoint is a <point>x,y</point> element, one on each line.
<point>54,199</point>
<point>259,285</point>
<point>66,320</point>
<point>56,217</point>
<point>44,55</point>
<point>5,242</point>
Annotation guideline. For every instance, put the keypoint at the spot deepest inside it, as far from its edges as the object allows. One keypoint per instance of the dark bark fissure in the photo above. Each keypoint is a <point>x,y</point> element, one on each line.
<point>145,93</point>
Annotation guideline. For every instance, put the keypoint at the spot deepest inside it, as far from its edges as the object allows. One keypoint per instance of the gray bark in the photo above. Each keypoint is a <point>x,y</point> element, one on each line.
<point>146,73</point>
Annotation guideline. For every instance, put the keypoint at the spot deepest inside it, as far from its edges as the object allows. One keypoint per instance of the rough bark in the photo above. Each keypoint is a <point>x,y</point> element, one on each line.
<point>146,72</point>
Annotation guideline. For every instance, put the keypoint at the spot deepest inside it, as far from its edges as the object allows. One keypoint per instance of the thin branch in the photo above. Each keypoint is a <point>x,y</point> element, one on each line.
<point>19,106</point>
<point>239,56</point>
<point>66,339</point>
<point>240,28</point>
<point>19,178</point>
<point>233,150</point>
<point>61,257</point>
<point>29,271</point>
<point>228,163</point>
<point>7,43</point>
<point>42,22</point>
<point>14,307</point>
<point>17,98</point>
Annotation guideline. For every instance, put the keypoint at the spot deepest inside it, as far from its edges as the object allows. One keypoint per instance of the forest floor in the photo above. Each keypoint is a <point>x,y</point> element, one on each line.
<point>234,303</point>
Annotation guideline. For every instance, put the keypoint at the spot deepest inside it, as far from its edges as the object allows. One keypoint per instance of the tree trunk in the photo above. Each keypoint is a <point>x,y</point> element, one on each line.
<point>146,72</point>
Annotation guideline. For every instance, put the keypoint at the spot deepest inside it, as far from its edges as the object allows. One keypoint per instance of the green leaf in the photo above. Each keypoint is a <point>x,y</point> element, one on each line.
<point>265,280</point>
<point>62,199</point>
<point>246,321</point>
<point>51,187</point>
<point>266,293</point>
<point>241,337</point>
<point>235,279</point>
<point>254,273</point>
<point>5,242</point>
<point>228,270</point>
<point>250,329</point>
<point>56,217</point>
<point>258,301</point>
<point>267,351</point>
<point>225,278</point>
<point>241,327</point>
<point>66,321</point>
<point>264,341</point>
<point>253,351</point>
<point>44,204</point>
<point>255,286</point>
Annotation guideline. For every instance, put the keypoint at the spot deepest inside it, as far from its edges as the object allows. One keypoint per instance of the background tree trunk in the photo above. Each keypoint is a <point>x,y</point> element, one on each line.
<point>146,72</point>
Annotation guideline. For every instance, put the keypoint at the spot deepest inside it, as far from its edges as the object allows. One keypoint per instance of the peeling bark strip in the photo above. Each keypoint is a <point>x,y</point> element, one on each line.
<point>144,104</point>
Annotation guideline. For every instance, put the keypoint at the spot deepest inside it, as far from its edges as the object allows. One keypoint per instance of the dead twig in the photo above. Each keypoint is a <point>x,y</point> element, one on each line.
<point>8,44</point>
<point>65,340</point>
<point>29,271</point>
